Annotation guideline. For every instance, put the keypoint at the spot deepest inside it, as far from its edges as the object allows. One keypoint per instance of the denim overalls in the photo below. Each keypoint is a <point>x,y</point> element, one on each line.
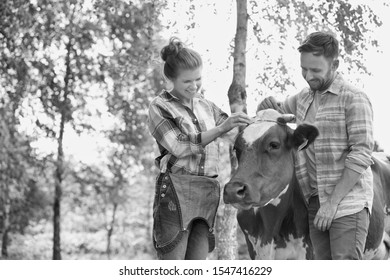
<point>179,199</point>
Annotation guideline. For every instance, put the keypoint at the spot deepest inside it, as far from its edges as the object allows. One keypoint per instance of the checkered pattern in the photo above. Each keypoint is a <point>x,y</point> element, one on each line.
<point>345,121</point>
<point>177,130</point>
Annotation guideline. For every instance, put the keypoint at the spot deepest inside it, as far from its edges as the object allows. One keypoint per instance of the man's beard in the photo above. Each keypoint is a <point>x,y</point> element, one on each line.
<point>322,84</point>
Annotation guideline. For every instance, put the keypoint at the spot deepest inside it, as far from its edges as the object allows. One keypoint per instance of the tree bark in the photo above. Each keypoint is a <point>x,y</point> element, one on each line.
<point>59,173</point>
<point>5,200</point>
<point>237,92</point>
<point>110,230</point>
<point>227,222</point>
<point>5,224</point>
<point>58,194</point>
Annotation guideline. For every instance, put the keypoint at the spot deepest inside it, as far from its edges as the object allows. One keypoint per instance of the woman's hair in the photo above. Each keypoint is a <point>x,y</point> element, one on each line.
<point>321,43</point>
<point>177,57</point>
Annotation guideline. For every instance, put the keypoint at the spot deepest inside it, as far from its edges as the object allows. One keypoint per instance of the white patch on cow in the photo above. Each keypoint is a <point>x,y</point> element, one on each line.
<point>295,249</point>
<point>379,253</point>
<point>275,202</point>
<point>255,131</point>
<point>370,254</point>
<point>381,156</point>
<point>268,202</point>
<point>293,126</point>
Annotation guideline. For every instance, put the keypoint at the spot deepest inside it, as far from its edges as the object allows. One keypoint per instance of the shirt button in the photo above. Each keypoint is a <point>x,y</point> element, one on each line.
<point>195,121</point>
<point>162,195</point>
<point>202,167</point>
<point>166,178</point>
<point>164,186</point>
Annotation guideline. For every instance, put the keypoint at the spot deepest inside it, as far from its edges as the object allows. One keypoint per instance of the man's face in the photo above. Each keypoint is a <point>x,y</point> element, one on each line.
<point>318,71</point>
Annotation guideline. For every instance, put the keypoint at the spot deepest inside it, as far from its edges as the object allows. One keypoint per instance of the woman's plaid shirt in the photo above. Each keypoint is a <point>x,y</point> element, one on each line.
<point>177,130</point>
<point>345,123</point>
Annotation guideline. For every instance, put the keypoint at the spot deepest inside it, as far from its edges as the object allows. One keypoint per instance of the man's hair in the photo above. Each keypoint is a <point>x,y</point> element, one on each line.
<point>321,43</point>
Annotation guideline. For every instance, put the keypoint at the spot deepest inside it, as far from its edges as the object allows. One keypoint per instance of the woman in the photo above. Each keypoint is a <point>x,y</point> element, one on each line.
<point>185,126</point>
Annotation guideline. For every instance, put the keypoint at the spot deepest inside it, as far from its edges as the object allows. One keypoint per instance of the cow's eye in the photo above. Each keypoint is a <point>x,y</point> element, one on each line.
<point>274,145</point>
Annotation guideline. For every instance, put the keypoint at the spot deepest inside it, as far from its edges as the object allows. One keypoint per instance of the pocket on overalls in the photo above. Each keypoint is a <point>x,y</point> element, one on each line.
<point>166,214</point>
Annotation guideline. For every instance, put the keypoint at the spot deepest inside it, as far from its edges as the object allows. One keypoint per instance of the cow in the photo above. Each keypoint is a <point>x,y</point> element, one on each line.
<point>272,211</point>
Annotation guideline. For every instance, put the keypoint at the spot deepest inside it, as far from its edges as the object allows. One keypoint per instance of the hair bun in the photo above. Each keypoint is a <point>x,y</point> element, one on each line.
<point>172,49</point>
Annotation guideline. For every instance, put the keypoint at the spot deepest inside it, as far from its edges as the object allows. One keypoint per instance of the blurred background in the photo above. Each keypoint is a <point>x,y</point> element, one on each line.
<point>76,78</point>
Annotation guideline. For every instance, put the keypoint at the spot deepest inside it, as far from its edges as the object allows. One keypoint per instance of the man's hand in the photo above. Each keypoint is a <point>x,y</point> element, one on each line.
<point>324,217</point>
<point>270,103</point>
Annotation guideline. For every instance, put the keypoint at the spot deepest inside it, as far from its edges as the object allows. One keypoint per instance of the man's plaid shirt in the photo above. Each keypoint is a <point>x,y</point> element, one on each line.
<point>345,122</point>
<point>177,130</point>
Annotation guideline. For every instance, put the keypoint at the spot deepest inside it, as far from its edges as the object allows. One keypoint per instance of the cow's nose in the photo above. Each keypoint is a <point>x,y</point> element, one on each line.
<point>234,192</point>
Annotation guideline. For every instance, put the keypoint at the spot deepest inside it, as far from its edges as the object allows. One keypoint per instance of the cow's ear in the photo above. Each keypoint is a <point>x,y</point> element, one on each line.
<point>303,136</point>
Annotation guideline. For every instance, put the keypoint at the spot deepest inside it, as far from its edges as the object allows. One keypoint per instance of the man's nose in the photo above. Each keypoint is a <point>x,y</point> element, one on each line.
<point>308,75</point>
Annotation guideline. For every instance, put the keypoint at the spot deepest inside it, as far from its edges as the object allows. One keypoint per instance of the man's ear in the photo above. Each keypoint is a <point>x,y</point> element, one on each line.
<point>303,136</point>
<point>335,64</point>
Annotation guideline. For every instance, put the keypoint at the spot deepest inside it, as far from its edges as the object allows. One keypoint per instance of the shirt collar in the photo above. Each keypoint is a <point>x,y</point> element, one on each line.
<point>336,86</point>
<point>166,96</point>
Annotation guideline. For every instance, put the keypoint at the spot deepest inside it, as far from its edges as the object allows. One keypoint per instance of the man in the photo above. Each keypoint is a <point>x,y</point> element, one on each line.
<point>334,172</point>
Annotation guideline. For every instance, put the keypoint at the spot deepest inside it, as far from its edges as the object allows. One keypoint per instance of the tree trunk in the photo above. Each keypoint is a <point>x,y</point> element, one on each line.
<point>227,222</point>
<point>110,231</point>
<point>59,173</point>
<point>57,195</point>
<point>5,223</point>
<point>149,224</point>
<point>5,200</point>
<point>237,92</point>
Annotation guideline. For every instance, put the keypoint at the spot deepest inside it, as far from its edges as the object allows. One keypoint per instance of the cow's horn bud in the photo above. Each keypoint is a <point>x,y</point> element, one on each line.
<point>288,118</point>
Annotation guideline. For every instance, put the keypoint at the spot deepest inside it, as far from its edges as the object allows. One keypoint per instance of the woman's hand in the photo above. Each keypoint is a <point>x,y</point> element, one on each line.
<point>235,119</point>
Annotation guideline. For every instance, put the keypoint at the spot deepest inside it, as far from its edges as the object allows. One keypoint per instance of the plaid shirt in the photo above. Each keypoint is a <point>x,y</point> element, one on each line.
<point>177,130</point>
<point>345,121</point>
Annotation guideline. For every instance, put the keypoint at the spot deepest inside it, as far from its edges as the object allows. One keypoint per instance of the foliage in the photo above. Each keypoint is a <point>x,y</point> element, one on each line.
<point>285,23</point>
<point>54,53</point>
<point>76,62</point>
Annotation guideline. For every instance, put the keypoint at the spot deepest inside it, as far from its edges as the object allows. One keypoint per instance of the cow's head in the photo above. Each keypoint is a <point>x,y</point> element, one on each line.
<point>265,152</point>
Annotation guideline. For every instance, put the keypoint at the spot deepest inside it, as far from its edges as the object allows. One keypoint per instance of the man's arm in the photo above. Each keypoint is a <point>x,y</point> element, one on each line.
<point>327,211</point>
<point>287,107</point>
<point>359,122</point>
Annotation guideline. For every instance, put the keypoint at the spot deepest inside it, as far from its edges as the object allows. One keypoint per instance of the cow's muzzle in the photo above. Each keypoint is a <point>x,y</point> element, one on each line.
<point>234,192</point>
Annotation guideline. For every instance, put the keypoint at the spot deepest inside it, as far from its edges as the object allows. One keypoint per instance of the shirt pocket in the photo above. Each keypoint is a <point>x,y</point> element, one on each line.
<point>333,126</point>
<point>334,137</point>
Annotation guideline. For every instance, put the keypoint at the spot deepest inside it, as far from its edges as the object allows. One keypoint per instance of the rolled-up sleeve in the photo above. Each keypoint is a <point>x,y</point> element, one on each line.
<point>359,122</point>
<point>289,106</point>
<point>164,129</point>
<point>219,115</point>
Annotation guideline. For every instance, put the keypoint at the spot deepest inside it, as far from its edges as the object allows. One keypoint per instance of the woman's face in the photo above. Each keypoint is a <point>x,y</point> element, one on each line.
<point>187,84</point>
